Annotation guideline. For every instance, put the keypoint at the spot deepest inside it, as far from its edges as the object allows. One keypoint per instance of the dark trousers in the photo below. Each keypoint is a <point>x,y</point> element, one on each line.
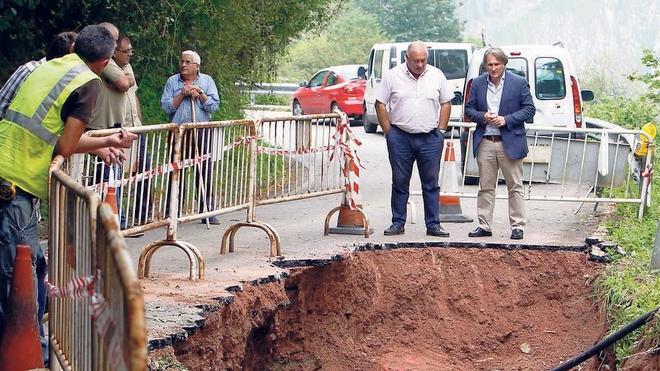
<point>141,188</point>
<point>18,224</point>
<point>404,149</point>
<point>203,178</point>
<point>140,191</point>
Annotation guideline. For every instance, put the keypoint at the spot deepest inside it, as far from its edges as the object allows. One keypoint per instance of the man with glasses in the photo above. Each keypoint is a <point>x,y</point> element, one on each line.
<point>140,160</point>
<point>110,108</point>
<point>187,89</point>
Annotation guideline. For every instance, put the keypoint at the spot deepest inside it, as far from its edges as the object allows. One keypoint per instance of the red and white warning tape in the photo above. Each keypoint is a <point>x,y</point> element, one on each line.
<point>80,287</point>
<point>161,169</point>
<point>346,142</point>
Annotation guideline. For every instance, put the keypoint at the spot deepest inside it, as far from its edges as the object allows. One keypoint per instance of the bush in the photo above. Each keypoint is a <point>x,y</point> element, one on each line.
<point>625,112</point>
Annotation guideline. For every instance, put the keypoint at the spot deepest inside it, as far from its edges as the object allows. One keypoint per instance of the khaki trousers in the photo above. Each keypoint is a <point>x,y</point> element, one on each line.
<point>491,158</point>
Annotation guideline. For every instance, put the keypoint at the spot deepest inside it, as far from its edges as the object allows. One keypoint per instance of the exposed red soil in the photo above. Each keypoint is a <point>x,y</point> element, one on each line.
<point>645,357</point>
<point>409,309</point>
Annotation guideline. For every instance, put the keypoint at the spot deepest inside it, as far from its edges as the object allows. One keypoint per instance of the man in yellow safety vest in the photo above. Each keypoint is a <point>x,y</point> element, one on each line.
<point>47,118</point>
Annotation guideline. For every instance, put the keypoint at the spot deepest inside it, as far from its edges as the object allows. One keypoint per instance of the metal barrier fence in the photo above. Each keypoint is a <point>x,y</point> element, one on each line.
<point>195,171</point>
<point>571,165</point>
<point>96,307</point>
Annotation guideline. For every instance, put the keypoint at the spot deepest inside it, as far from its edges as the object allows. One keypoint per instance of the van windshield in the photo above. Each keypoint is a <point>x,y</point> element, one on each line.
<point>452,62</point>
<point>515,65</point>
<point>550,82</point>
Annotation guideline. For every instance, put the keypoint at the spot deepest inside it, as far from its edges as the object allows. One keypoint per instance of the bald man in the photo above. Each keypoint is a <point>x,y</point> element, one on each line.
<point>419,100</point>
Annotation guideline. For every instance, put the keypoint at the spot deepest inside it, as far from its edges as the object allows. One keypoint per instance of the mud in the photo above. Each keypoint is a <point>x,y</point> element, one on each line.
<point>413,309</point>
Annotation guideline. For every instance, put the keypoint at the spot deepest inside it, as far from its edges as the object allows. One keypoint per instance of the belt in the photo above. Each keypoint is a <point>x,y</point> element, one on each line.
<point>8,191</point>
<point>493,138</point>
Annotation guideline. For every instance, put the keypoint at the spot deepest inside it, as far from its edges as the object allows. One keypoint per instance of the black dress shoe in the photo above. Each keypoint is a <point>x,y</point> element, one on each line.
<point>517,234</point>
<point>437,231</point>
<point>394,230</point>
<point>480,232</point>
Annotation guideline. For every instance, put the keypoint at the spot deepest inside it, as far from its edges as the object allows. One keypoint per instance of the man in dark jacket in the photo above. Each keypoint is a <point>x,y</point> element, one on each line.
<point>499,103</point>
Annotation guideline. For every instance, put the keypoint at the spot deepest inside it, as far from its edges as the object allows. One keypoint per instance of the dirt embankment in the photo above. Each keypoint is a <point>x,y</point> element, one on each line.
<point>426,309</point>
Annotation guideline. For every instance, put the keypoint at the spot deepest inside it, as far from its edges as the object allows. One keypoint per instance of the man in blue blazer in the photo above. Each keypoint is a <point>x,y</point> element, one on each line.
<point>499,103</point>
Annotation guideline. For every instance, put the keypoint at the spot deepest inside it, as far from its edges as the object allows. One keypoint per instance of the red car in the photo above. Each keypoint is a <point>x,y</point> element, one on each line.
<point>338,87</point>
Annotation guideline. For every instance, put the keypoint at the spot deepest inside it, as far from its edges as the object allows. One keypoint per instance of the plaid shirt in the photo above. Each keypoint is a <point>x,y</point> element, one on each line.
<point>9,90</point>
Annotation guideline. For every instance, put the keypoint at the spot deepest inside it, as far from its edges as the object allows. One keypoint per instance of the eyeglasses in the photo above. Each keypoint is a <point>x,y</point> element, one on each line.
<point>127,51</point>
<point>186,62</point>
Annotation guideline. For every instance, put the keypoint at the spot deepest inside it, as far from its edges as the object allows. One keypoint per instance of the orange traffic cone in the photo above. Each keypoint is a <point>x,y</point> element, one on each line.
<point>450,206</point>
<point>111,199</point>
<point>20,347</point>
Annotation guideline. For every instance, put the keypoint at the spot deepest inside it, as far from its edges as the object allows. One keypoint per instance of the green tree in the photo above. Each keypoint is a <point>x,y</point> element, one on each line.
<point>239,41</point>
<point>650,78</point>
<point>347,40</point>
<point>408,20</point>
<point>632,112</point>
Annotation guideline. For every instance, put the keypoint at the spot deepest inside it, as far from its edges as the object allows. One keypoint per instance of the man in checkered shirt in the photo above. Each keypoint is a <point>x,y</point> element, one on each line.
<point>62,44</point>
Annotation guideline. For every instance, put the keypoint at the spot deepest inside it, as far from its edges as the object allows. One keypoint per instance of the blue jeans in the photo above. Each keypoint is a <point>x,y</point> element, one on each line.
<point>18,224</point>
<point>404,149</point>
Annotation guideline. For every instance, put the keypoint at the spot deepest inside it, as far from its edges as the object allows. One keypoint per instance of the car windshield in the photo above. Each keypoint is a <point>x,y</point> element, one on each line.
<point>350,72</point>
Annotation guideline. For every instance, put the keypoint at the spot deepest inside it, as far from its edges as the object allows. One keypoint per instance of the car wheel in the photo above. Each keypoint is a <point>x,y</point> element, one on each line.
<point>296,109</point>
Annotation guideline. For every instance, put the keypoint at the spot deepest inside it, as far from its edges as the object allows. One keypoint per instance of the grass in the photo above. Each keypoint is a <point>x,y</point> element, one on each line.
<point>627,287</point>
<point>272,100</point>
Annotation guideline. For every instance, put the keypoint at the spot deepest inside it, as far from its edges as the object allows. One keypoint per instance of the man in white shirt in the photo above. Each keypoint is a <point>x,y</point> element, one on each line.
<point>419,100</point>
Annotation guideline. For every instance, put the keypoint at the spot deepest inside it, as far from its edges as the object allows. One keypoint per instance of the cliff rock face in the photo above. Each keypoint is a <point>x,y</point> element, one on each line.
<point>605,35</point>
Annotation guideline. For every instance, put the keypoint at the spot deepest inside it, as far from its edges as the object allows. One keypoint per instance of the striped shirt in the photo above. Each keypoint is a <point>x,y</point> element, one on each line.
<point>10,88</point>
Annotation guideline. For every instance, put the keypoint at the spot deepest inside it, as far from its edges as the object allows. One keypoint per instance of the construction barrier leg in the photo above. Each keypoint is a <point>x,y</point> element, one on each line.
<point>348,222</point>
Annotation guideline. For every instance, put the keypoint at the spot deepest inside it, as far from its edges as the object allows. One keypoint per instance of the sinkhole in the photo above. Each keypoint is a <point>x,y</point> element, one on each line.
<point>431,308</point>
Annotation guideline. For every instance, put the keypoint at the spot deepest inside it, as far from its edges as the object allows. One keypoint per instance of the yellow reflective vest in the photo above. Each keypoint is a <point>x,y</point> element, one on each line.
<point>33,125</point>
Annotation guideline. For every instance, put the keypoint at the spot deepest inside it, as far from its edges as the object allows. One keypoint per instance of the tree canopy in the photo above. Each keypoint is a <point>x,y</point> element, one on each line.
<point>347,40</point>
<point>237,40</point>
<point>408,20</point>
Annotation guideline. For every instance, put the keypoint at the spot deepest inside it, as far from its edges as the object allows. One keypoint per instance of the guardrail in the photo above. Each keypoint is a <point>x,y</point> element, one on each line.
<point>195,171</point>
<point>571,165</point>
<point>285,89</point>
<point>96,307</point>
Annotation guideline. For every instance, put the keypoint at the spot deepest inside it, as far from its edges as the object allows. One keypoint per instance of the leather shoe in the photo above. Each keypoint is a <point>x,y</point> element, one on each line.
<point>212,220</point>
<point>480,232</point>
<point>517,234</point>
<point>436,231</point>
<point>394,230</point>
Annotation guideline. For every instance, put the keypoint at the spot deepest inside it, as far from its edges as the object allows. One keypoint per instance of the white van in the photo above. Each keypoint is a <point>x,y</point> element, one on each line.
<point>552,77</point>
<point>452,59</point>
<point>553,83</point>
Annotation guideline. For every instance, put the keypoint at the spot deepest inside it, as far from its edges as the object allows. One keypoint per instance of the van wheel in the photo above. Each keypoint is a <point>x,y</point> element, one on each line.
<point>296,109</point>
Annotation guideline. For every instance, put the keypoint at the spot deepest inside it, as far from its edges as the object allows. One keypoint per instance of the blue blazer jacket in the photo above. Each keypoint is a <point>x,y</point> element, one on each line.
<point>516,106</point>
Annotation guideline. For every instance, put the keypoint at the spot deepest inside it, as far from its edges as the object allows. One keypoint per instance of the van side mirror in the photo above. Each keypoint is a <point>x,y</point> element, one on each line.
<point>587,95</point>
<point>458,99</point>
<point>302,84</point>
